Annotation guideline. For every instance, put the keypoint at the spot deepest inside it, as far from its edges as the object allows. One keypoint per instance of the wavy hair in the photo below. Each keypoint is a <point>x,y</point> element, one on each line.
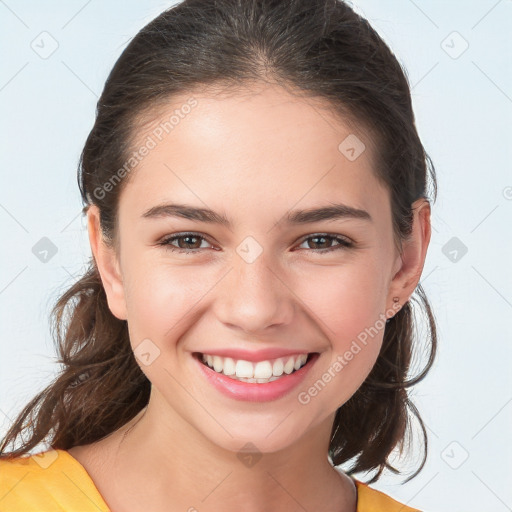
<point>321,48</point>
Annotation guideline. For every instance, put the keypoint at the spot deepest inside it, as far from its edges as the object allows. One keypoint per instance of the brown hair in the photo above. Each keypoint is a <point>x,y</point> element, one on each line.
<point>319,47</point>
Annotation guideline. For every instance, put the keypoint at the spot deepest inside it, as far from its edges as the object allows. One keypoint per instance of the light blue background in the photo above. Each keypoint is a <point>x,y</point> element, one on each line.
<point>463,108</point>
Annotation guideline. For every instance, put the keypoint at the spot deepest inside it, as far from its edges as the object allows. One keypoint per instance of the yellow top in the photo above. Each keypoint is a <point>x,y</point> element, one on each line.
<point>54,481</point>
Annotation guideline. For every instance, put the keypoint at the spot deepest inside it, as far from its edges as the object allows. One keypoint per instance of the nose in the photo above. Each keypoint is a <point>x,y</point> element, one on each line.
<point>253,297</point>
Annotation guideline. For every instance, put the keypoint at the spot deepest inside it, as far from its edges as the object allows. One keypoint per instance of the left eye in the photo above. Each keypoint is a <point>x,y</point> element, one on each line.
<point>342,243</point>
<point>195,240</point>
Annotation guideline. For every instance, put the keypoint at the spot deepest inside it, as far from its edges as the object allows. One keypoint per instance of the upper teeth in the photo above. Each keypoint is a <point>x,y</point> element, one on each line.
<point>259,370</point>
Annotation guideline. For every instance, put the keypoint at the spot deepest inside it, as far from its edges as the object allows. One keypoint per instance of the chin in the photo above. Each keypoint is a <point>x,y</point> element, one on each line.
<point>258,439</point>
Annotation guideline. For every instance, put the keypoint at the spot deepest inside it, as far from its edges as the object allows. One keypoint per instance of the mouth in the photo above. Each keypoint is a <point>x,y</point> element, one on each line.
<point>259,372</point>
<point>258,380</point>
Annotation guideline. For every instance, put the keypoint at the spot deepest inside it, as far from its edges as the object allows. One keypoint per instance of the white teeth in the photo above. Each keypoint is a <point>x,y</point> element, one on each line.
<point>300,361</point>
<point>229,366</point>
<point>263,370</point>
<point>244,369</point>
<point>259,381</point>
<point>289,366</point>
<point>260,372</point>
<point>278,368</point>
<point>217,364</point>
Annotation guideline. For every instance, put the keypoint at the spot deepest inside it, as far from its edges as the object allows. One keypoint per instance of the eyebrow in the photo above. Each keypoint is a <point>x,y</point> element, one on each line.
<point>334,211</point>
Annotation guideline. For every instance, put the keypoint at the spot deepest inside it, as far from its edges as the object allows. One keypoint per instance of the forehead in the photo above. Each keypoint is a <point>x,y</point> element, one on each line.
<point>255,148</point>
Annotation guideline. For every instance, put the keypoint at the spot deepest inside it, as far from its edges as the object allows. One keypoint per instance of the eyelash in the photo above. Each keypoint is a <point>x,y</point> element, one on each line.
<point>343,243</point>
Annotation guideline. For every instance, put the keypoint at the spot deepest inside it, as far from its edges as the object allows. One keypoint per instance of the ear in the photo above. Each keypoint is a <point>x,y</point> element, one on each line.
<point>108,265</point>
<point>409,264</point>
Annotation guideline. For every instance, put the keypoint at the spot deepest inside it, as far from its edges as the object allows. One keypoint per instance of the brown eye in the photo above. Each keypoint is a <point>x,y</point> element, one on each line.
<point>318,243</point>
<point>187,242</point>
<point>322,243</point>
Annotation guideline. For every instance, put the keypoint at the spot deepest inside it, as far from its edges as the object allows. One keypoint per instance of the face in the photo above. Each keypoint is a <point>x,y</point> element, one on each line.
<point>271,284</point>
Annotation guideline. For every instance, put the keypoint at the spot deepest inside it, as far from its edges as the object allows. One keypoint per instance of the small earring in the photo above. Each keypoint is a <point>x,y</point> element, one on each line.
<point>395,300</point>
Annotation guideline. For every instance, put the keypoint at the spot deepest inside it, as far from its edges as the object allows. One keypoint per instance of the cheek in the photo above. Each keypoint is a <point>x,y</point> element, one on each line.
<point>344,300</point>
<point>163,300</point>
<point>348,305</point>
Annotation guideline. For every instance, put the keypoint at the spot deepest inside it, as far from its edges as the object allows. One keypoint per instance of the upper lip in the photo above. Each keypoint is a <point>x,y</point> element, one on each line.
<point>254,355</point>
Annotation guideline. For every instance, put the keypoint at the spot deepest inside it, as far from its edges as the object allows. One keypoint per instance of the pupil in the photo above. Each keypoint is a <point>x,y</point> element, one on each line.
<point>319,238</point>
<point>186,240</point>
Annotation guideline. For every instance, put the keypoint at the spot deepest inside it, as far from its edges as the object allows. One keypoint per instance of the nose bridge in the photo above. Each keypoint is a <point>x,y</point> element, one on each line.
<point>254,295</point>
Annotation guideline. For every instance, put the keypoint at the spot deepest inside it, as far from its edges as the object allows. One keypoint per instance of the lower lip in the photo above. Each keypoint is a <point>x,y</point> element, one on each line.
<point>252,391</point>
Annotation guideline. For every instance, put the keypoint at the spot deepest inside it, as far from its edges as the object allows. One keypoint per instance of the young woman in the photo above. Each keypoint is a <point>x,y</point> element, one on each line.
<point>256,196</point>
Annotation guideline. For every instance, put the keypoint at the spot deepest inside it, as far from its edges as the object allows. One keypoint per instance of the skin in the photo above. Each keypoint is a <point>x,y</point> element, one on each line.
<point>253,157</point>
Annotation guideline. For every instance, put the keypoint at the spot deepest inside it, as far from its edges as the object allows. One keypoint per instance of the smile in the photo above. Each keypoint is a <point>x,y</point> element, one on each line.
<point>260,372</point>
<point>258,381</point>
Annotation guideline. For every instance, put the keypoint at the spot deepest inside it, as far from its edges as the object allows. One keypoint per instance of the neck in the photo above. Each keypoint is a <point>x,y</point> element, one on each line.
<point>164,460</point>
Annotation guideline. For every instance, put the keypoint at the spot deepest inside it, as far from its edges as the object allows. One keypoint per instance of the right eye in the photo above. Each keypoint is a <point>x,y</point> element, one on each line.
<point>190,239</point>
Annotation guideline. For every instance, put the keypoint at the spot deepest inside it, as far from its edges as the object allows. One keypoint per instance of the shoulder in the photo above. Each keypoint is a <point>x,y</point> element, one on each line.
<point>372,500</point>
<point>50,480</point>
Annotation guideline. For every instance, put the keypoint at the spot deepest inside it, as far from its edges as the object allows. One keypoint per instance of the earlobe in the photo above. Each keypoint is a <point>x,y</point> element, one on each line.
<point>414,251</point>
<point>108,265</point>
